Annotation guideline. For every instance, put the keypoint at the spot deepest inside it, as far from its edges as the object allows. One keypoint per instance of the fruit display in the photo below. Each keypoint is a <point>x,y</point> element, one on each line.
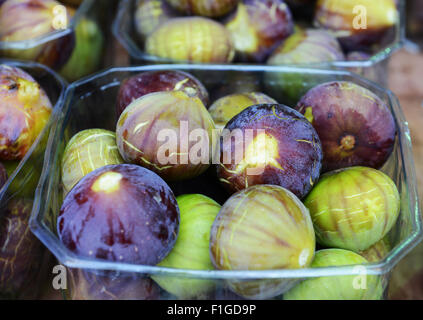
<point>281,148</point>
<point>24,112</point>
<point>169,132</point>
<point>21,253</point>
<point>120,213</point>
<point>358,287</point>
<point>87,151</point>
<point>353,208</point>
<point>191,250</point>
<point>355,126</point>
<point>192,39</point>
<point>22,20</point>
<point>155,81</point>
<point>227,107</point>
<point>358,24</point>
<point>208,8</point>
<point>263,227</point>
<point>257,27</point>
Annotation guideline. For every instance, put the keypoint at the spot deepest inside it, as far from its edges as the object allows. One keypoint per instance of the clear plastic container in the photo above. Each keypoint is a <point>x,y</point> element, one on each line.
<point>374,67</point>
<point>90,103</point>
<point>27,280</point>
<point>86,26</point>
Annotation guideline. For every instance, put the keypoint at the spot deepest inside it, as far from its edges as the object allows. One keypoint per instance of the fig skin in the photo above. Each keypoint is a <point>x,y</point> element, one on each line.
<point>207,8</point>
<point>88,150</point>
<point>339,17</point>
<point>155,81</point>
<point>191,39</point>
<point>122,213</point>
<point>150,14</point>
<point>355,126</point>
<point>289,155</point>
<point>144,129</point>
<point>353,208</point>
<point>336,287</point>
<point>225,108</point>
<point>191,250</point>
<point>378,251</point>
<point>24,111</point>
<point>22,20</point>
<point>263,227</point>
<point>21,253</point>
<point>258,26</point>
<point>86,285</point>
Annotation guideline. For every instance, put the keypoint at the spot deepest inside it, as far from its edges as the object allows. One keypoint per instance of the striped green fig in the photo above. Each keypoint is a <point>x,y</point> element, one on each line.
<point>353,208</point>
<point>87,151</point>
<point>349,287</point>
<point>191,250</point>
<point>263,227</point>
<point>378,251</point>
<point>208,8</point>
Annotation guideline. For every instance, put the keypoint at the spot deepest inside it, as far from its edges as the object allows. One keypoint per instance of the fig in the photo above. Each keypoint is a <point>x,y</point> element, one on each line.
<point>263,227</point>
<point>149,14</point>
<point>358,24</point>
<point>22,20</point>
<point>350,287</point>
<point>191,39</point>
<point>24,111</point>
<point>225,108</point>
<point>269,144</point>
<point>86,56</point>
<point>258,26</point>
<point>155,81</point>
<point>307,46</point>
<point>169,133</point>
<point>87,285</point>
<point>355,126</point>
<point>378,251</point>
<point>88,150</point>
<point>208,8</point>
<point>3,175</point>
<point>122,213</point>
<point>191,250</point>
<point>20,252</point>
<point>353,208</point>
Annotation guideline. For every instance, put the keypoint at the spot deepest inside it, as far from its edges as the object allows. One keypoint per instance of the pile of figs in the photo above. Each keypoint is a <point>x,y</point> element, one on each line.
<point>263,31</point>
<point>240,182</point>
<point>26,29</point>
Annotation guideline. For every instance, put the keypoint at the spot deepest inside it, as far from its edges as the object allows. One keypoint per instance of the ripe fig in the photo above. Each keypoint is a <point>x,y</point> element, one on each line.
<point>337,287</point>
<point>378,251</point>
<point>88,150</point>
<point>191,39</point>
<point>191,250</point>
<point>122,213</point>
<point>170,133</point>
<point>269,144</point>
<point>358,24</point>
<point>258,26</point>
<point>155,81</point>
<point>263,227</point>
<point>353,208</point>
<point>150,14</point>
<point>22,20</point>
<point>208,8</point>
<point>86,56</point>
<point>225,108</point>
<point>20,252</point>
<point>24,111</point>
<point>355,126</point>
<point>86,285</point>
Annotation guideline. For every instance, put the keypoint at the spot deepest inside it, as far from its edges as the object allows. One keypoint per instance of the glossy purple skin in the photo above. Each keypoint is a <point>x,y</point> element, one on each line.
<point>343,109</point>
<point>3,175</point>
<point>299,150</point>
<point>155,81</point>
<point>138,223</point>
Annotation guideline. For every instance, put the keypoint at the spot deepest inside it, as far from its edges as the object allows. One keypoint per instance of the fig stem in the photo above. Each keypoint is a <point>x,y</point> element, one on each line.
<point>348,142</point>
